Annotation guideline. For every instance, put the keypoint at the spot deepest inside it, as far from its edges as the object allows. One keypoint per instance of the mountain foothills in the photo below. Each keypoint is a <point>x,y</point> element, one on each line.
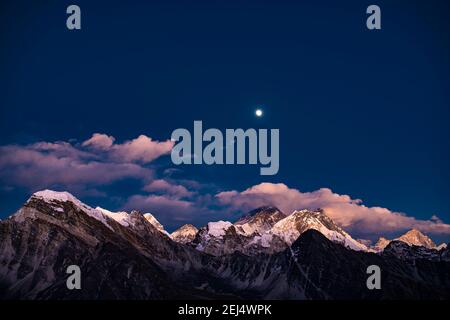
<point>264,255</point>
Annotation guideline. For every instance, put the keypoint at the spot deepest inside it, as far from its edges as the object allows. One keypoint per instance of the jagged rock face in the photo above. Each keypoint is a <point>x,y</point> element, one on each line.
<point>417,238</point>
<point>404,251</point>
<point>220,238</point>
<point>185,234</point>
<point>125,218</point>
<point>445,254</point>
<point>260,220</point>
<point>381,244</point>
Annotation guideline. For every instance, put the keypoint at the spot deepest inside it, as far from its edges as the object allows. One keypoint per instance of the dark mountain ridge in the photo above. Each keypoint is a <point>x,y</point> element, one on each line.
<point>133,259</point>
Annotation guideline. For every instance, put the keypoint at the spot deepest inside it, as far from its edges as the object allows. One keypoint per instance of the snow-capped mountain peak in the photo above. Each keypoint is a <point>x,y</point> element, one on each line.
<point>259,220</point>
<point>121,217</point>
<point>57,199</point>
<point>184,234</point>
<point>412,238</point>
<point>417,238</point>
<point>150,218</point>
<point>51,197</point>
<point>211,238</point>
<point>290,228</point>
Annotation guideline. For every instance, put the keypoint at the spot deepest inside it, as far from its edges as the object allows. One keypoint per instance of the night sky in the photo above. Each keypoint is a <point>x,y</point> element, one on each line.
<point>363,113</point>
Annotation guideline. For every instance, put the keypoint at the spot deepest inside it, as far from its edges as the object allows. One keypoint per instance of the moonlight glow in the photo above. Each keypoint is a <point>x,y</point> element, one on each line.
<point>258,112</point>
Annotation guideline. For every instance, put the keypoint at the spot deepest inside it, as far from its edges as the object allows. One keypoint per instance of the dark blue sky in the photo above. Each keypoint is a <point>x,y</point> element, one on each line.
<point>362,112</point>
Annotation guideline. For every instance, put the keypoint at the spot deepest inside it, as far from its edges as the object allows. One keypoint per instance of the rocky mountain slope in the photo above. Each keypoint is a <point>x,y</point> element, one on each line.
<point>406,252</point>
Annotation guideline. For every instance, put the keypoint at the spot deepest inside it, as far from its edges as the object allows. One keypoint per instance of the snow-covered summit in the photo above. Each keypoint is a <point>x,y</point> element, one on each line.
<point>290,228</point>
<point>412,238</point>
<point>61,196</point>
<point>55,198</point>
<point>258,221</point>
<point>184,234</point>
<point>269,230</point>
<point>417,238</point>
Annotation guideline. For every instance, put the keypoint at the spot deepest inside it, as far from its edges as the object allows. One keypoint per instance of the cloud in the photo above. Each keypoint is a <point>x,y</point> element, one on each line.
<point>97,161</point>
<point>34,169</point>
<point>349,213</point>
<point>166,187</point>
<point>159,203</point>
<point>142,149</point>
<point>99,141</point>
<point>89,167</point>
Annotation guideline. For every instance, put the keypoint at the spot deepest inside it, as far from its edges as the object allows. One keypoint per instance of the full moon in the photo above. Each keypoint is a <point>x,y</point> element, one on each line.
<point>258,112</point>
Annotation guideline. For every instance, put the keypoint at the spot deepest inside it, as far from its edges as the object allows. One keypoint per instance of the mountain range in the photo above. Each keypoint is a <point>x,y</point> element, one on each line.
<point>266,254</point>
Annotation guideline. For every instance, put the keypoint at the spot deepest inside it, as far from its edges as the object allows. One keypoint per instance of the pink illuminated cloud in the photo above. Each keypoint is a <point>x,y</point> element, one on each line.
<point>95,162</point>
<point>166,187</point>
<point>349,213</point>
<point>142,149</point>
